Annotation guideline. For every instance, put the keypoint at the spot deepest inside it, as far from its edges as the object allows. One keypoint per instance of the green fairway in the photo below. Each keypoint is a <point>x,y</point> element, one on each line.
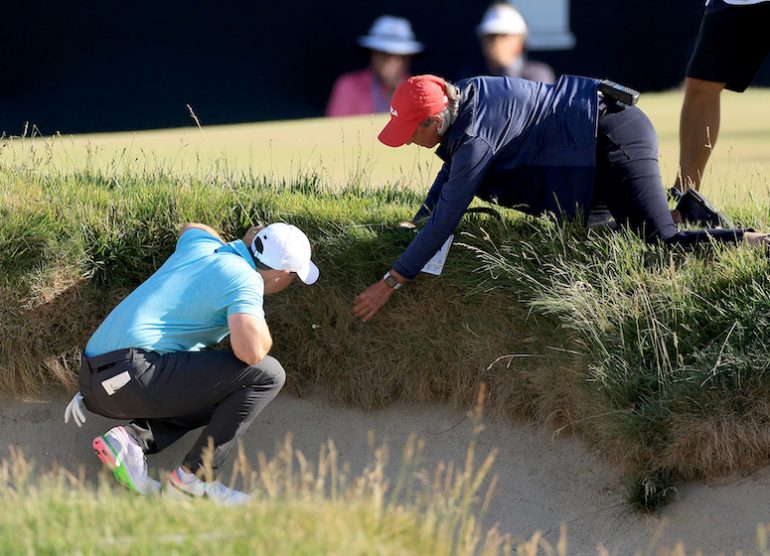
<point>340,151</point>
<point>345,151</point>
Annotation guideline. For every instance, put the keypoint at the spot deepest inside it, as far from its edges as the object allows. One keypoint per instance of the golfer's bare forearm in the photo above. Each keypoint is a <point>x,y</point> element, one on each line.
<point>250,338</point>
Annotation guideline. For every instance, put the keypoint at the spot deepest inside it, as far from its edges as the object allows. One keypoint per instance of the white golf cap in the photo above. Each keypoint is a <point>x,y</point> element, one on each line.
<point>285,247</point>
<point>392,35</point>
<point>502,19</point>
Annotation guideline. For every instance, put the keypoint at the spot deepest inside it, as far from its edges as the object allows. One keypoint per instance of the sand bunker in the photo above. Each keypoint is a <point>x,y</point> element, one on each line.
<point>543,481</point>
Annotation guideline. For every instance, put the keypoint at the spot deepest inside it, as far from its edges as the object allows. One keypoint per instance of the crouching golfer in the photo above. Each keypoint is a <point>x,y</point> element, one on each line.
<point>145,363</point>
<point>561,149</point>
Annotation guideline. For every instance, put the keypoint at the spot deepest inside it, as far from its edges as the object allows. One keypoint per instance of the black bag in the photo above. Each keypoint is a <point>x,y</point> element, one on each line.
<point>614,92</point>
<point>694,208</point>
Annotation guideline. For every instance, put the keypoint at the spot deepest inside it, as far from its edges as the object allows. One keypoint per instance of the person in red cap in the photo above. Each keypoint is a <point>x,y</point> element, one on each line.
<point>558,149</point>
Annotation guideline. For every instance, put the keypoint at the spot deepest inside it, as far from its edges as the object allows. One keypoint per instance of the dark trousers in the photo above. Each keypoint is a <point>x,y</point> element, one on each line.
<point>628,180</point>
<point>168,395</point>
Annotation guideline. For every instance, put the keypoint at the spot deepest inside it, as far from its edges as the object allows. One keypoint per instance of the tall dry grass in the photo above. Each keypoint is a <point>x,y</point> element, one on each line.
<point>657,357</point>
<point>73,246</point>
<point>675,346</point>
<point>298,506</point>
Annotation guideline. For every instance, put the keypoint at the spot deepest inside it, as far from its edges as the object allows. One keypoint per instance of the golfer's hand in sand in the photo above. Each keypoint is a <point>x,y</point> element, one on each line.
<point>75,411</point>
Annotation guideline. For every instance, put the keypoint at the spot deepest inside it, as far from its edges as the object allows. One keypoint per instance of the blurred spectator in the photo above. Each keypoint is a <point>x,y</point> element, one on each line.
<point>502,33</point>
<point>392,44</point>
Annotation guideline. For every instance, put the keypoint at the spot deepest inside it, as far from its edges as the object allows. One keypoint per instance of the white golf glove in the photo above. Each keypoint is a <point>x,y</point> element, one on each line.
<point>75,410</point>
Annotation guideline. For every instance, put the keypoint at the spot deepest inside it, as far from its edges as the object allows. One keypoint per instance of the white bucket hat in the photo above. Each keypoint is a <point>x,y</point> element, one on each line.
<point>285,247</point>
<point>392,35</point>
<point>502,19</point>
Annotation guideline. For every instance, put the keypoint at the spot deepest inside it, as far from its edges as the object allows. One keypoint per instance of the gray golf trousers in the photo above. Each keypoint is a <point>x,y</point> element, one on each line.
<point>166,396</point>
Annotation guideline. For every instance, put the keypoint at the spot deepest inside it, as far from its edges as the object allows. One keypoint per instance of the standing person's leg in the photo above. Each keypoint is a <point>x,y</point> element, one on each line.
<point>698,130</point>
<point>628,180</point>
<point>732,44</point>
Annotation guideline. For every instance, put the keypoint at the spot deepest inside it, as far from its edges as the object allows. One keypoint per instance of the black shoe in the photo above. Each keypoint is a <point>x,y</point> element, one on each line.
<point>601,217</point>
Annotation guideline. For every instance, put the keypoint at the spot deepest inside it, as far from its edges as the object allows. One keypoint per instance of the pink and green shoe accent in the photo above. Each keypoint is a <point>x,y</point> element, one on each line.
<point>111,457</point>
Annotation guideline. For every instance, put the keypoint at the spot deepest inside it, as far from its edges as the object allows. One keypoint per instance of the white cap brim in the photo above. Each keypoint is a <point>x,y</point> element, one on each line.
<point>500,28</point>
<point>391,46</point>
<point>502,19</point>
<point>309,275</point>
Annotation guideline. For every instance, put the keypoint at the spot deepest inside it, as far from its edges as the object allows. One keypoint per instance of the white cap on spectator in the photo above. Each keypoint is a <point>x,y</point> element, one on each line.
<point>285,247</point>
<point>502,19</point>
<point>392,35</point>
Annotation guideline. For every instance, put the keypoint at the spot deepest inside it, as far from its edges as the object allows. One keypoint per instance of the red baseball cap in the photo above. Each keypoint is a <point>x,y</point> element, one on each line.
<point>415,99</point>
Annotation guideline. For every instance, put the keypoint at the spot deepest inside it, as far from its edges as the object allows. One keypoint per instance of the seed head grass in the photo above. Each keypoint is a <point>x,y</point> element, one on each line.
<point>300,505</point>
<point>674,346</point>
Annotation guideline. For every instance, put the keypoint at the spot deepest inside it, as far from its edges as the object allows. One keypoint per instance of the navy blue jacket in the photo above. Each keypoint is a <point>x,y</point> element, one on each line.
<point>522,144</point>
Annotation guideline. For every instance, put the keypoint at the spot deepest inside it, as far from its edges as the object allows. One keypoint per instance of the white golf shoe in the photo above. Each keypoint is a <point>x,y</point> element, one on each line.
<point>119,451</point>
<point>183,484</point>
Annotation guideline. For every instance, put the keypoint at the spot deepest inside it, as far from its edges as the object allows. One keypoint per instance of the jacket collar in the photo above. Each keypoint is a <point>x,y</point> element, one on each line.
<point>463,124</point>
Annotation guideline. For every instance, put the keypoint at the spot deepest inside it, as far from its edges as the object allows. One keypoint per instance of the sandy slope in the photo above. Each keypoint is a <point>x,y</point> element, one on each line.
<point>544,481</point>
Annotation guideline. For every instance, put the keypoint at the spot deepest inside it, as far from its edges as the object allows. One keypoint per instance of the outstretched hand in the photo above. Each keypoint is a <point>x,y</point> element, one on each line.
<point>757,239</point>
<point>371,300</point>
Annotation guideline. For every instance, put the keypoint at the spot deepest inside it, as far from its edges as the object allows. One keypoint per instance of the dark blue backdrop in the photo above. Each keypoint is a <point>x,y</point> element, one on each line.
<point>95,66</point>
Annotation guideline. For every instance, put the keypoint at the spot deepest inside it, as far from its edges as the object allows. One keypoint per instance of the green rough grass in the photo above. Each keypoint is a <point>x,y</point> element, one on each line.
<point>298,507</point>
<point>72,246</point>
<point>676,348</point>
<point>657,357</point>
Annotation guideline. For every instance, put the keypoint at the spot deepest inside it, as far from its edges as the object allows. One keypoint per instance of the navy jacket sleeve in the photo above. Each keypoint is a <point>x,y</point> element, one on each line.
<point>469,165</point>
<point>430,201</point>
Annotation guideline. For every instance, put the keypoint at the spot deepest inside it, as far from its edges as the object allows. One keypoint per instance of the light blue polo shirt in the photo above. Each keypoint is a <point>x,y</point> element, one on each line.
<point>184,306</point>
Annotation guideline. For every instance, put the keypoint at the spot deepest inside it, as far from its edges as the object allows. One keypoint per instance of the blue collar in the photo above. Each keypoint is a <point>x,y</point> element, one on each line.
<point>239,248</point>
